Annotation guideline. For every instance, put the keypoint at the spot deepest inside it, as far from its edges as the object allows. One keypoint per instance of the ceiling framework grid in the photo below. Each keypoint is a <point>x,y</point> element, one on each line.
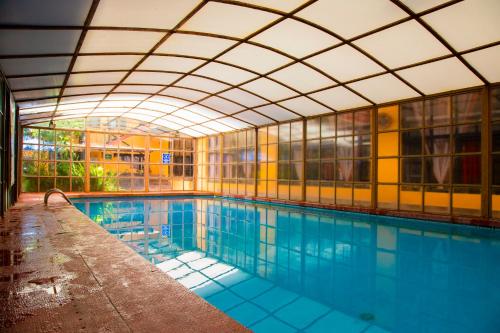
<point>204,67</point>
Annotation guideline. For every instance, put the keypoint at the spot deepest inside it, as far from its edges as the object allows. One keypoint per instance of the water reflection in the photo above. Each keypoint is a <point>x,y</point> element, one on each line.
<point>278,268</point>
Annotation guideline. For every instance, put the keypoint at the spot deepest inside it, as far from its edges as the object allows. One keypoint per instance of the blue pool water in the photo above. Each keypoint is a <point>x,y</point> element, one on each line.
<point>278,268</point>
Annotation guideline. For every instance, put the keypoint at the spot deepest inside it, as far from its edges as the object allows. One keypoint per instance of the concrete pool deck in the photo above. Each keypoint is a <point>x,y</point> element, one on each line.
<point>60,272</point>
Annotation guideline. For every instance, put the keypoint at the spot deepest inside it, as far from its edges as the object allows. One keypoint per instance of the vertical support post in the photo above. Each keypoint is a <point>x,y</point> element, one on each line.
<point>373,154</point>
<point>304,132</point>
<point>485,154</point>
<point>147,140</point>
<point>87,162</point>
<point>221,157</point>
<point>256,163</point>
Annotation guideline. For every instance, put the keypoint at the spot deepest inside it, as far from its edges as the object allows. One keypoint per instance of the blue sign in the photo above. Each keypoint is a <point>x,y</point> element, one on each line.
<point>165,158</point>
<point>165,230</point>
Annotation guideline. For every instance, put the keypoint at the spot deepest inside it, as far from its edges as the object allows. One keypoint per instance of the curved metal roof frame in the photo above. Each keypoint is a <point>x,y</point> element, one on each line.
<point>202,67</point>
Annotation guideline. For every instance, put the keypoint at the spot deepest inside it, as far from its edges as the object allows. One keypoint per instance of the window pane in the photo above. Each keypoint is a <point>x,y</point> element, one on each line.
<point>411,170</point>
<point>467,107</point>
<point>327,170</point>
<point>327,148</point>
<point>296,171</point>
<point>437,111</point>
<point>312,170</point>
<point>495,103</point>
<point>388,118</point>
<point>296,151</point>
<point>344,123</point>
<point>362,146</point>
<point>296,130</point>
<point>313,128</point>
<point>467,169</point>
<point>284,151</point>
<point>468,138</point>
<point>362,121</point>
<point>437,140</point>
<point>495,169</point>
<point>437,169</point>
<point>312,151</point>
<point>283,170</point>
<point>328,126</point>
<point>362,170</point>
<point>412,114</point>
<point>344,170</point>
<point>284,132</point>
<point>411,142</point>
<point>344,147</point>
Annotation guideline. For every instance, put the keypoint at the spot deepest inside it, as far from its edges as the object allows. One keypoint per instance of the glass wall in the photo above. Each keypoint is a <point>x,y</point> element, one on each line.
<point>77,161</point>
<point>423,155</point>
<point>209,163</point>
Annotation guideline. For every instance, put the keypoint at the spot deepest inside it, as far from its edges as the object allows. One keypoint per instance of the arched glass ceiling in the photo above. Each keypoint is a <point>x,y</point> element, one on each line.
<point>202,67</point>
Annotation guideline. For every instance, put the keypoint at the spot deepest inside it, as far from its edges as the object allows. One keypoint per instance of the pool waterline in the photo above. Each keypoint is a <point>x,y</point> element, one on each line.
<point>286,268</point>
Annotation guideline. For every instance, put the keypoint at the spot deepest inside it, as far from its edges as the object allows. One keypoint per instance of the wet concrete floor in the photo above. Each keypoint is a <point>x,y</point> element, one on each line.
<point>60,272</point>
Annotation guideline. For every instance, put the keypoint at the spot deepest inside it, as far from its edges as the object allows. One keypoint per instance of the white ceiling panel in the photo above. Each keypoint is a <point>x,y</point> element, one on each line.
<point>177,120</point>
<point>185,93</point>
<point>28,66</point>
<point>234,123</point>
<point>254,118</point>
<point>105,62</point>
<point>86,90</point>
<point>225,73</point>
<point>193,117</point>
<point>255,58</point>
<point>105,41</point>
<point>284,6</point>
<point>167,123</point>
<point>138,88</point>
<point>191,132</point>
<point>119,104</point>
<point>242,97</point>
<point>294,76</point>
<point>354,17</point>
<point>37,103</point>
<point>169,100</point>
<point>269,89</point>
<point>36,82</point>
<point>80,99</point>
<point>305,106</point>
<point>126,97</point>
<point>440,76</point>
<point>95,78</point>
<point>421,5</point>
<point>486,62</point>
<point>32,94</point>
<point>164,108</point>
<point>467,24</point>
<point>284,37</point>
<point>404,44</point>
<point>340,98</point>
<point>162,14</point>
<point>217,126</point>
<point>229,20</point>
<point>345,63</point>
<point>277,112</point>
<point>200,83</point>
<point>75,106</point>
<point>47,12</point>
<point>383,88</point>
<point>173,64</point>
<point>194,45</point>
<point>151,78</point>
<point>222,105</point>
<point>204,111</point>
<point>38,41</point>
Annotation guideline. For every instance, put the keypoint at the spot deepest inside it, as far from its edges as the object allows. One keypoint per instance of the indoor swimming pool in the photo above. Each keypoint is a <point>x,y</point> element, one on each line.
<point>281,268</point>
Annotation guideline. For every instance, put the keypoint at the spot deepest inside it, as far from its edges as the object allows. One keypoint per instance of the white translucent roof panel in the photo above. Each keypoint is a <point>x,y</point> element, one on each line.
<point>353,17</point>
<point>204,111</point>
<point>242,97</point>
<point>44,12</point>
<point>95,78</point>
<point>225,73</point>
<point>467,24</point>
<point>38,41</point>
<point>193,117</point>
<point>169,101</point>
<point>194,45</point>
<point>151,77</point>
<point>222,105</point>
<point>202,84</point>
<point>119,41</point>
<point>139,88</point>
<point>233,122</point>
<point>284,6</point>
<point>269,89</point>
<point>177,120</point>
<point>174,64</point>
<point>340,98</point>
<point>191,132</point>
<point>163,14</point>
<point>85,98</point>
<point>404,44</point>
<point>383,88</point>
<point>164,108</point>
<point>105,62</point>
<point>345,63</point>
<point>277,112</point>
<point>166,123</point>
<point>40,93</point>
<point>448,74</point>
<point>229,20</point>
<point>37,103</point>
<point>87,90</point>
<point>217,126</point>
<point>36,82</point>
<point>118,104</point>
<point>294,76</point>
<point>421,5</point>
<point>486,62</point>
<point>72,106</point>
<point>23,66</point>
<point>255,58</point>
<point>254,118</point>
<point>305,106</point>
<point>285,36</point>
<point>126,97</point>
<point>185,93</point>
